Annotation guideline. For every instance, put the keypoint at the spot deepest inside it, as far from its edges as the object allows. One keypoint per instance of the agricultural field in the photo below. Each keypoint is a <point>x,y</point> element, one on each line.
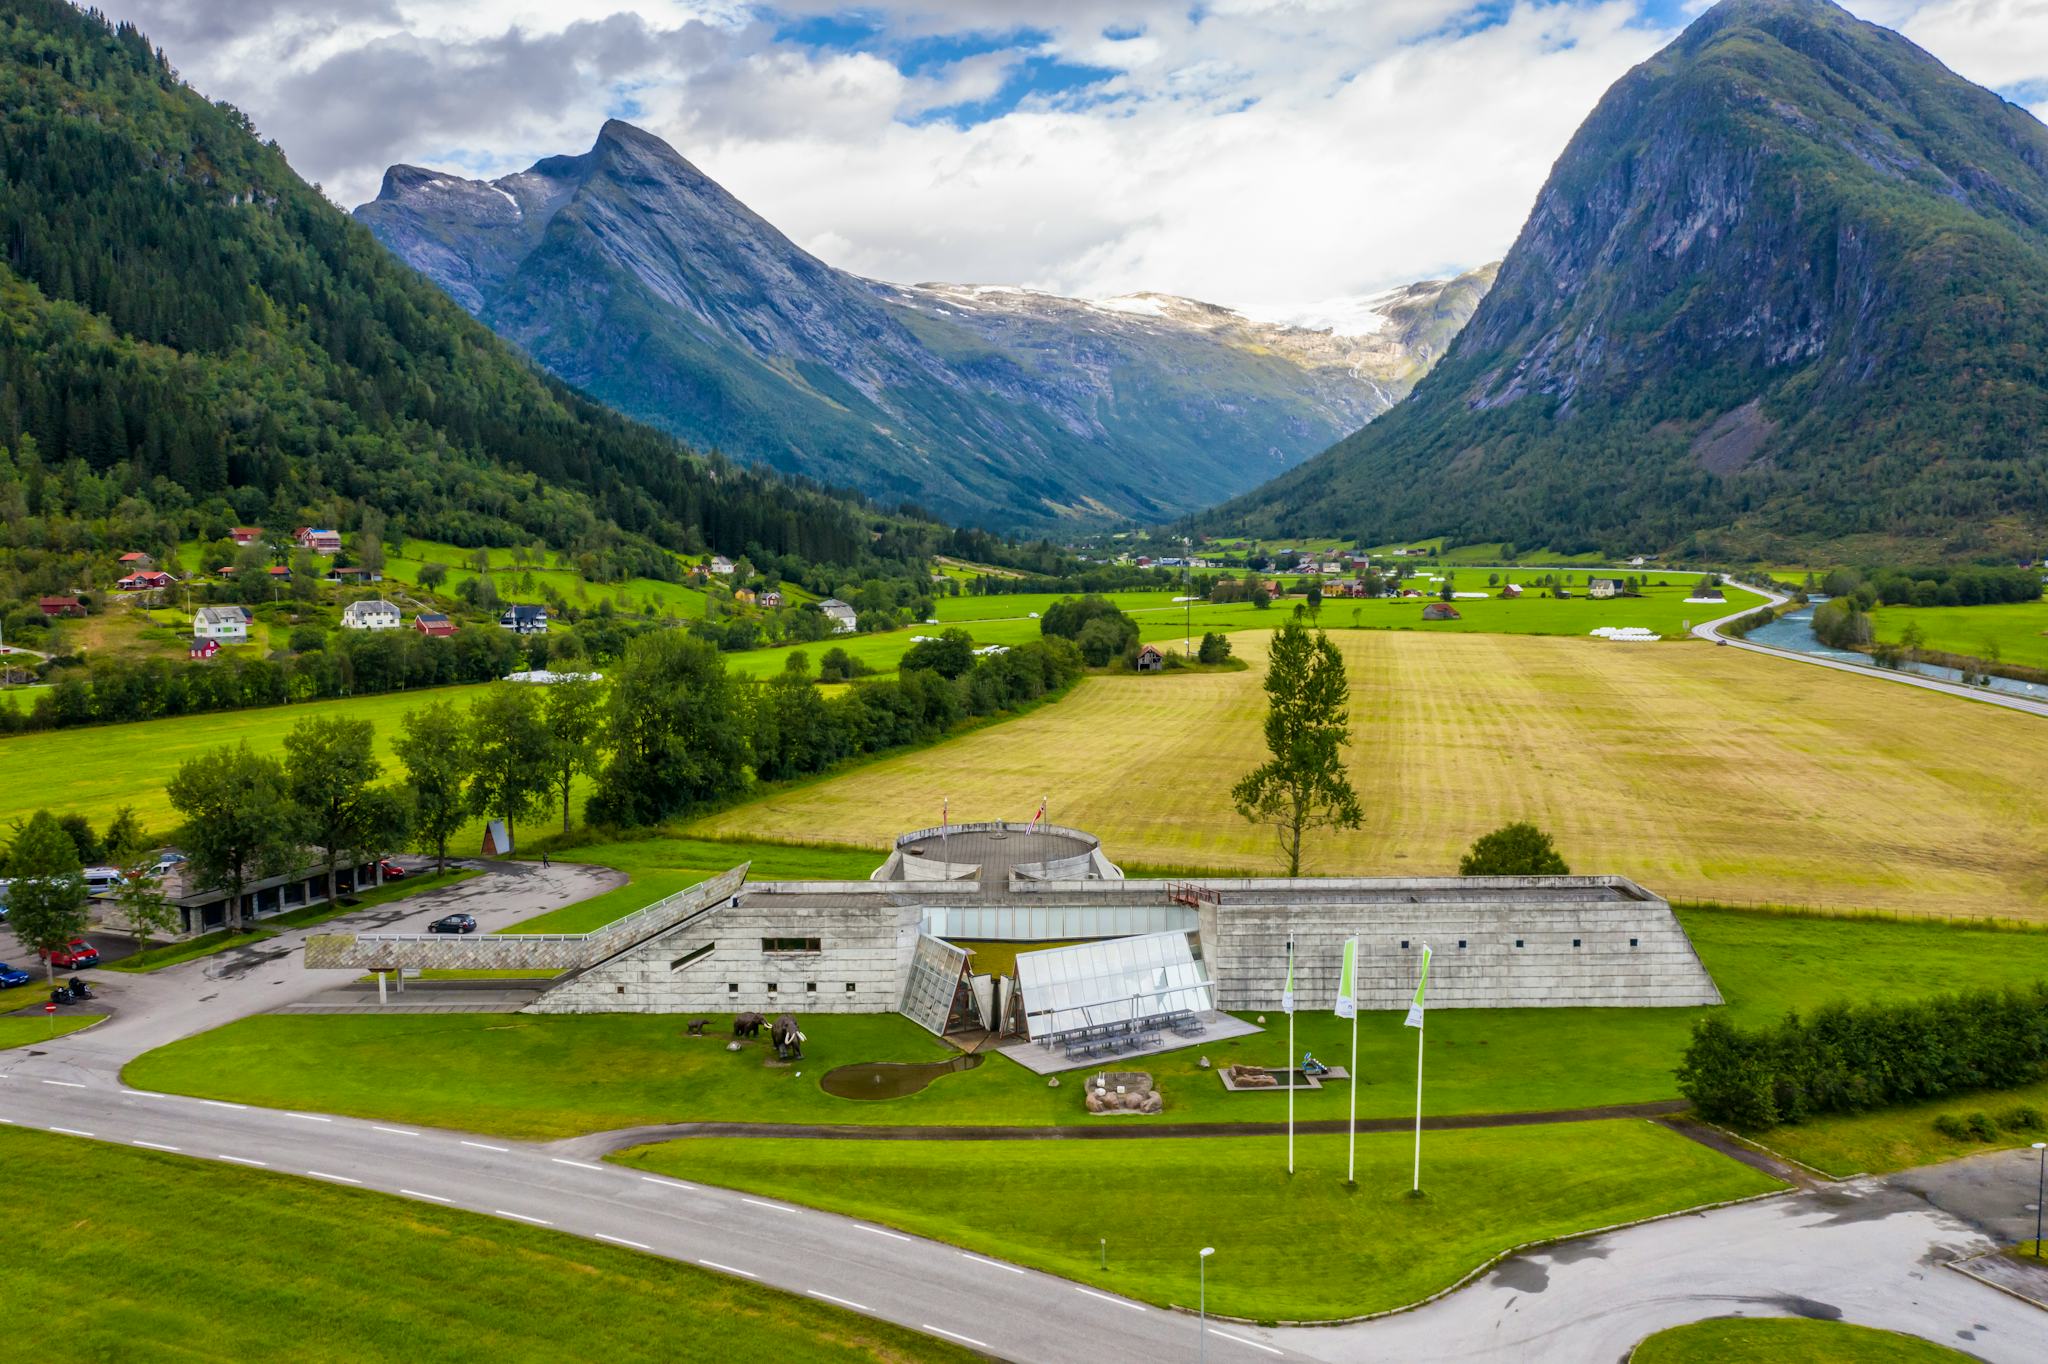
<point>549,1076</point>
<point>343,1274</point>
<point>1706,774</point>
<point>630,597</point>
<point>2013,632</point>
<point>1375,1247</point>
<point>95,769</point>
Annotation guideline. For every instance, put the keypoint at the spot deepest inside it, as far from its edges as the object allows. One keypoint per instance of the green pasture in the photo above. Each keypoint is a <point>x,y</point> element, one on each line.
<point>1888,1139</point>
<point>2016,632</point>
<point>662,866</point>
<point>630,597</point>
<point>94,769</point>
<point>278,1265</point>
<point>1787,1340</point>
<point>550,1076</point>
<point>1301,1248</point>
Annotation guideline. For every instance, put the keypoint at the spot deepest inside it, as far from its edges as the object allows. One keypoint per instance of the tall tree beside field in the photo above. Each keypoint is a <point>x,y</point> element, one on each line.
<point>140,898</point>
<point>330,768</point>
<point>46,901</point>
<point>575,719</point>
<point>433,743</point>
<point>240,825</point>
<point>675,730</point>
<point>511,756</point>
<point>1302,786</point>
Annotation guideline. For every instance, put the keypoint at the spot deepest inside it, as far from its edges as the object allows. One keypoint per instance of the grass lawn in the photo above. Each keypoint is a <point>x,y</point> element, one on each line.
<point>93,770</point>
<point>1704,773</point>
<point>1787,1340</point>
<point>1045,1204</point>
<point>1901,1138</point>
<point>205,945</point>
<point>2018,631</point>
<point>346,1275</point>
<point>557,1075</point>
<point>662,866</point>
<point>23,1030</point>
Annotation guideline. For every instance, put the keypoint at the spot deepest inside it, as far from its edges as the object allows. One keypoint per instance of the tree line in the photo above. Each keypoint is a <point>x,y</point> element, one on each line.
<point>1850,1058</point>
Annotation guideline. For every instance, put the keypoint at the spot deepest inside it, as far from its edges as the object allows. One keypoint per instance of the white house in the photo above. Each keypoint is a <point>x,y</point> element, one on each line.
<point>369,615</point>
<point>1600,588</point>
<point>220,622</point>
<point>843,617</point>
<point>721,565</point>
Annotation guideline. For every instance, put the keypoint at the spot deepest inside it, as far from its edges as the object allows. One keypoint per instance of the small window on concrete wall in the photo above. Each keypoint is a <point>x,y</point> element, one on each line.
<point>1633,943</point>
<point>849,987</point>
<point>1575,942</point>
<point>1518,942</point>
<point>1461,944</point>
<point>732,989</point>
<point>771,987</point>
<point>691,957</point>
<point>810,987</point>
<point>792,945</point>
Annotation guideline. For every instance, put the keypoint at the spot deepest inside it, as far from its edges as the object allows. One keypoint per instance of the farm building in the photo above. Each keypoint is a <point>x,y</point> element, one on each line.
<point>369,615</point>
<point>1150,660</point>
<point>433,624</point>
<point>1162,958</point>
<point>1510,592</point>
<point>1441,610</point>
<point>56,607</point>
<point>1707,594</point>
<point>135,559</point>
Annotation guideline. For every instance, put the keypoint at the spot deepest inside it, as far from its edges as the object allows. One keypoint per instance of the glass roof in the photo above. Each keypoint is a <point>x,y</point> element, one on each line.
<point>1110,982</point>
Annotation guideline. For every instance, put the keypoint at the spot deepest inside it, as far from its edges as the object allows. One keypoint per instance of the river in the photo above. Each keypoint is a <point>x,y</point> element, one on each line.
<point>1793,632</point>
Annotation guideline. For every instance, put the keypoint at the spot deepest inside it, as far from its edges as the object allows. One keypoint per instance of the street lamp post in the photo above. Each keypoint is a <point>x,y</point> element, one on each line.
<point>2040,1187</point>
<point>1202,1319</point>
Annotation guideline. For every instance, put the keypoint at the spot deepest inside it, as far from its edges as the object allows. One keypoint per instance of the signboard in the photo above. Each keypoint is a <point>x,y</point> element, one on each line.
<point>49,1008</point>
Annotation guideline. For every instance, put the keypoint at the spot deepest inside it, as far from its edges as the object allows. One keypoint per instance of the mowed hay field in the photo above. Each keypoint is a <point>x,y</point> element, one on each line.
<point>1704,773</point>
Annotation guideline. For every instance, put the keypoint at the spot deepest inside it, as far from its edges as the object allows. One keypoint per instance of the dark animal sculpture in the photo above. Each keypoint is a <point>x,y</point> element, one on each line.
<point>747,1025</point>
<point>697,1026</point>
<point>789,1043</point>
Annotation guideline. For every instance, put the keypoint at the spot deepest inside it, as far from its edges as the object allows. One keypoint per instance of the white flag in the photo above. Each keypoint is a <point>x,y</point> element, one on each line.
<point>1287,994</point>
<point>1415,1009</point>
<point>1347,982</point>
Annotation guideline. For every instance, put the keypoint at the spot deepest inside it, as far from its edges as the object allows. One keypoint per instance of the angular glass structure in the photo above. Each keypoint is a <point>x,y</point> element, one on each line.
<point>1124,981</point>
<point>934,982</point>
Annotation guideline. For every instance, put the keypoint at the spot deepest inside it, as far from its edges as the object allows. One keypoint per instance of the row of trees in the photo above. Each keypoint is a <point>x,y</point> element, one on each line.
<point>1848,1058</point>
<point>1937,586</point>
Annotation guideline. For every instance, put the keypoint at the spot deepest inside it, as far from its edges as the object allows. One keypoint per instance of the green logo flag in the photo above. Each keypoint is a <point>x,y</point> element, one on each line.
<point>1415,1009</point>
<point>1347,983</point>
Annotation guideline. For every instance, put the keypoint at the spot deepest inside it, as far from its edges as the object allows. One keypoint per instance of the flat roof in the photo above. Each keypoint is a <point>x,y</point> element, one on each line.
<point>997,851</point>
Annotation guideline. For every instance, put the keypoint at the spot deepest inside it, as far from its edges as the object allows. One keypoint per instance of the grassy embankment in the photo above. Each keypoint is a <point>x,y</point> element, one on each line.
<point>1786,1340</point>
<point>2016,632</point>
<point>1703,773</point>
<point>1299,1248</point>
<point>346,1275</point>
<point>547,1077</point>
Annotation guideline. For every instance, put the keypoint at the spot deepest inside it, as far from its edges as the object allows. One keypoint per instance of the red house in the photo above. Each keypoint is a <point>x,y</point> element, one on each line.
<point>246,535</point>
<point>135,558</point>
<point>145,582</point>
<point>433,624</point>
<point>53,607</point>
<point>203,648</point>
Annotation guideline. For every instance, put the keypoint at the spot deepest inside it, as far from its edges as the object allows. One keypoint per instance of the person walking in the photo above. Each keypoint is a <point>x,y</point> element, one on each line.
<point>544,861</point>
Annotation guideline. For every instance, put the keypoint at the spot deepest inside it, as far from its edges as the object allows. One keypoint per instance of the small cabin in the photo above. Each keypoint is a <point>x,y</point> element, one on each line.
<point>1150,660</point>
<point>1440,610</point>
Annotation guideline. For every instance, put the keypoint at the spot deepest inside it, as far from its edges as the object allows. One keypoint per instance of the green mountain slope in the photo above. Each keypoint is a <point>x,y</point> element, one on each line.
<point>181,311</point>
<point>629,272</point>
<point>1787,285</point>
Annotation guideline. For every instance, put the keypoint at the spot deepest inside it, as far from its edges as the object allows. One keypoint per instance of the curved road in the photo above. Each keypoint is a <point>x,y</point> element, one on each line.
<point>1711,630</point>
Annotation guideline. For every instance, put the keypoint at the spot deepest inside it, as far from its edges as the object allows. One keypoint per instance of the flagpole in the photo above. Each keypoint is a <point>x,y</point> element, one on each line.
<point>1416,1185</point>
<point>1290,1058</point>
<point>1351,1168</point>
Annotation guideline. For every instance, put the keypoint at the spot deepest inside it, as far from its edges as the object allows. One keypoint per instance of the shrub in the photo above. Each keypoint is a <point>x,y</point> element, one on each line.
<point>1215,648</point>
<point>2022,1118</point>
<point>1518,849</point>
<point>1952,1127</point>
<point>1981,1127</point>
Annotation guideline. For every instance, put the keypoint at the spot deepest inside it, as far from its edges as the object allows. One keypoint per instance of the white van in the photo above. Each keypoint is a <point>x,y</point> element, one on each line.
<point>100,880</point>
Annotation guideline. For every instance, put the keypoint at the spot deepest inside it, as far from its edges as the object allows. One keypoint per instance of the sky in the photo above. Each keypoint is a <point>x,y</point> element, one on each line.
<point>1284,157</point>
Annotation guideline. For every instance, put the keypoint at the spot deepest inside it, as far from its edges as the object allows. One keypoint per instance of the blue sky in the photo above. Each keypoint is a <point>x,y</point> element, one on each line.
<point>1283,156</point>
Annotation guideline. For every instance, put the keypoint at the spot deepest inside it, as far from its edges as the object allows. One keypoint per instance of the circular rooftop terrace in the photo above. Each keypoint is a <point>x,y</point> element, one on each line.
<point>1049,852</point>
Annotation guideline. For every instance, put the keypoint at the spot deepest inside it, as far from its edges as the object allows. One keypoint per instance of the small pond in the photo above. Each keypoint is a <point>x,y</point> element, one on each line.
<point>890,1079</point>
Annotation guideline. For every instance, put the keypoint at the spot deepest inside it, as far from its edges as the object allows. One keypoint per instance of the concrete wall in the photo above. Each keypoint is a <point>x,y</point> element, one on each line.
<point>866,943</point>
<point>1245,949</point>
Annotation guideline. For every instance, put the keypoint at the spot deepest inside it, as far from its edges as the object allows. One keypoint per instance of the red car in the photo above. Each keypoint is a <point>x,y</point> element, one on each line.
<point>74,955</point>
<point>392,871</point>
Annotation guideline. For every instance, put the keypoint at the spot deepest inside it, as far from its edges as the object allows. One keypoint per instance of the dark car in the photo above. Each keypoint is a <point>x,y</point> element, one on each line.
<point>392,871</point>
<point>9,977</point>
<point>453,923</point>
<point>74,955</point>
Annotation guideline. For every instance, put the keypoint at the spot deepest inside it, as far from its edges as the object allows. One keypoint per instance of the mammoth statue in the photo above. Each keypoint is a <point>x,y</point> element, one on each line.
<point>789,1043</point>
<point>747,1025</point>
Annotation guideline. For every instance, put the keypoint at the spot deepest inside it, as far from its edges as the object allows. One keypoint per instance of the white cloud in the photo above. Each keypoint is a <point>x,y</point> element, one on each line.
<point>1263,153</point>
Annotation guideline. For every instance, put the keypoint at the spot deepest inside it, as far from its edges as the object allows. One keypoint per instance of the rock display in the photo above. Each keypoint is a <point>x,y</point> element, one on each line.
<point>1128,1091</point>
<point>1253,1077</point>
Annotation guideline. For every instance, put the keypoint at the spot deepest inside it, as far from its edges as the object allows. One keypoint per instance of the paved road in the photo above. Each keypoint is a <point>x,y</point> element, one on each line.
<point>1711,630</point>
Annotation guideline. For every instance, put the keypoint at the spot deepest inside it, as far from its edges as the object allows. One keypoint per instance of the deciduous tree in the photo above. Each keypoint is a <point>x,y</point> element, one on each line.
<point>1518,849</point>
<point>239,822</point>
<point>511,755</point>
<point>1303,785</point>
<point>46,900</point>
<point>330,768</point>
<point>575,719</point>
<point>433,743</point>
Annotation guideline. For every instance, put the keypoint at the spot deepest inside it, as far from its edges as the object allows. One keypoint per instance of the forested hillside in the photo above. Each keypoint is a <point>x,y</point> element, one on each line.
<point>195,337</point>
<point>1786,287</point>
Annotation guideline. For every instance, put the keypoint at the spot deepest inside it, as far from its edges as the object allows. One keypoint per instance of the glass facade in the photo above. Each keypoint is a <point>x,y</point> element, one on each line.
<point>935,969</point>
<point>1110,982</point>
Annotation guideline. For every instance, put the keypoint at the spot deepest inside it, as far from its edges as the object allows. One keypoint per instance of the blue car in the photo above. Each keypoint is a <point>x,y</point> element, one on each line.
<point>9,977</point>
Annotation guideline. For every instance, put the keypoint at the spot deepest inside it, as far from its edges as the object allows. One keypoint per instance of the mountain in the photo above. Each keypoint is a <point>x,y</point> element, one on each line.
<point>1787,286</point>
<point>631,274</point>
<point>191,333</point>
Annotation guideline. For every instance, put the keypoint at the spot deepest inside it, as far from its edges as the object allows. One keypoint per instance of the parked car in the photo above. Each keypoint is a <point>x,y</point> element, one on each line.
<point>9,977</point>
<point>100,880</point>
<point>392,871</point>
<point>453,923</point>
<point>75,955</point>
